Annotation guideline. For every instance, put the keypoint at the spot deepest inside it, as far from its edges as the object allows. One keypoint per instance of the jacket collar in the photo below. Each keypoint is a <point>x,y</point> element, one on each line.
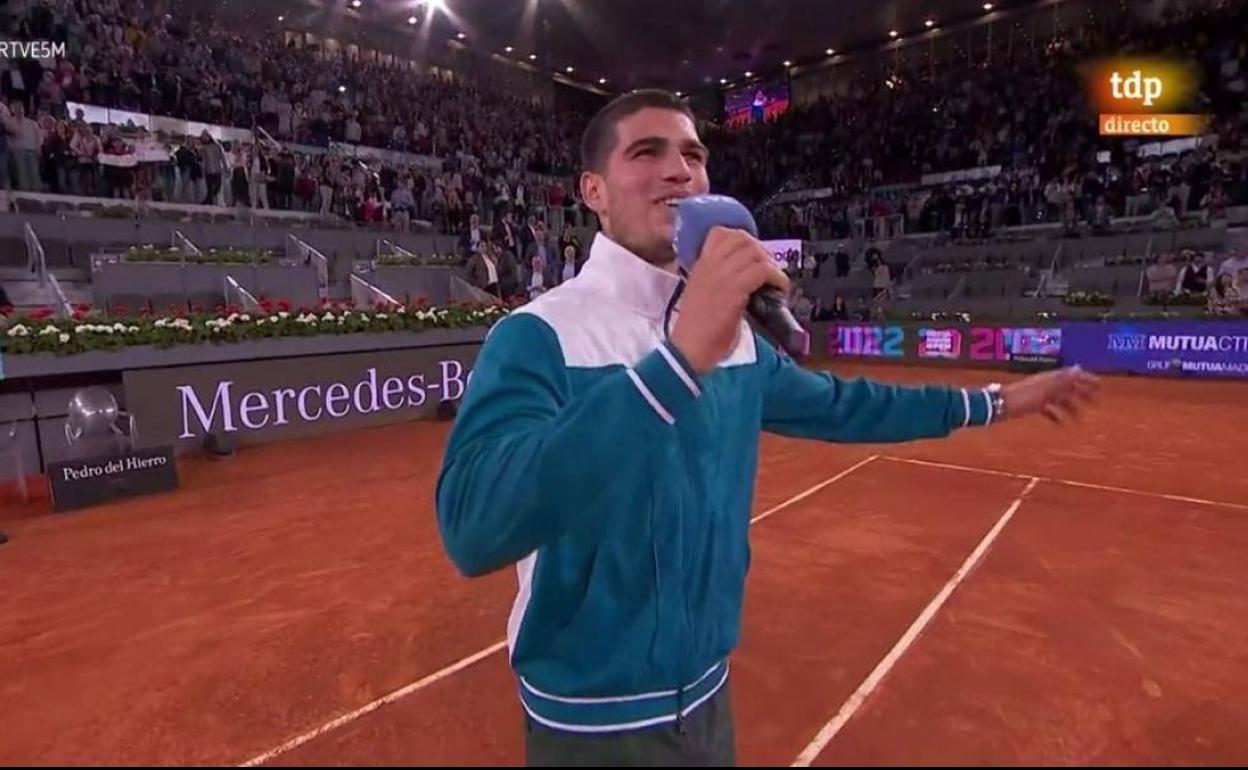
<point>628,279</point>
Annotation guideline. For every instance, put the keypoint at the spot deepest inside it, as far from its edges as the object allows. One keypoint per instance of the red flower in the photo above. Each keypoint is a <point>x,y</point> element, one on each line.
<point>6,310</point>
<point>118,311</point>
<point>283,306</point>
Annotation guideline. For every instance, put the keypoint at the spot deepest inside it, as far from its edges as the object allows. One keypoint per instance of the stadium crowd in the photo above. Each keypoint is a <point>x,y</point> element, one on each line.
<point>459,149</point>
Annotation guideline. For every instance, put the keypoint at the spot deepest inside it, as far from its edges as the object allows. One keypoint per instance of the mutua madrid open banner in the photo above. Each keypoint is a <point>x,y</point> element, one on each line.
<point>251,402</point>
<point>1187,348</point>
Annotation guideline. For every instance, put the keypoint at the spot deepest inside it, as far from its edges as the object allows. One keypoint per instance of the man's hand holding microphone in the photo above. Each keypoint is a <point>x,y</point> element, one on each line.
<point>732,266</point>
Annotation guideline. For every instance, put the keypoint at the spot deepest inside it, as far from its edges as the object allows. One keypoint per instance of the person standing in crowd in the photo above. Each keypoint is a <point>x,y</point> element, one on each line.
<point>214,167</point>
<point>25,143</point>
<point>482,269</point>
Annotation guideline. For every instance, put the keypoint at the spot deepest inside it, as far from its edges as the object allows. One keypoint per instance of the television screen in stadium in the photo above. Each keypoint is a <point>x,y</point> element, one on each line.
<point>756,103</point>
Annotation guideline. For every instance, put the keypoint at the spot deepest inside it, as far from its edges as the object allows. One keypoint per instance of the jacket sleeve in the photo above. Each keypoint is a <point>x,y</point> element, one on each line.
<point>805,404</point>
<point>528,461</point>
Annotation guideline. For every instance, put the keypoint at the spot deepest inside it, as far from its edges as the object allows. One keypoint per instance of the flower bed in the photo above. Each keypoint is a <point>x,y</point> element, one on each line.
<point>149,253</point>
<point>1088,299</point>
<point>40,332</point>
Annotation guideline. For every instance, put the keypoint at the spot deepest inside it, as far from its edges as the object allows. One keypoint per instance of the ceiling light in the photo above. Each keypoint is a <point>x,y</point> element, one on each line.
<point>749,74</point>
<point>509,49</point>
<point>830,51</point>
<point>281,18</point>
<point>723,81</point>
<point>987,6</point>
<point>892,33</point>
<point>532,57</point>
<point>680,93</point>
<point>356,3</point>
<point>460,35</point>
<point>412,20</point>
<point>569,69</point>
<point>930,23</point>
<point>342,89</point>
<point>788,62</point>
<point>602,81</point>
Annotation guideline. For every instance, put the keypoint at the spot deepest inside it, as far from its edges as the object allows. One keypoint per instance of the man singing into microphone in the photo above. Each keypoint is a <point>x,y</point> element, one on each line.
<point>607,446</point>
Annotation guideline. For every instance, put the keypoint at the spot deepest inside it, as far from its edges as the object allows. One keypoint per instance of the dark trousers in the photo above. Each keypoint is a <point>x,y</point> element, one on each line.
<point>705,738</point>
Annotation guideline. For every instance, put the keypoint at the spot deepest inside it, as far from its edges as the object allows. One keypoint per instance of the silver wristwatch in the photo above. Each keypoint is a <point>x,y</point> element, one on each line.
<point>998,401</point>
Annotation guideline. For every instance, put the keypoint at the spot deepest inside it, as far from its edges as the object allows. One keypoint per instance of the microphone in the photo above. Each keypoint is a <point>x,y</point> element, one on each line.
<point>768,307</point>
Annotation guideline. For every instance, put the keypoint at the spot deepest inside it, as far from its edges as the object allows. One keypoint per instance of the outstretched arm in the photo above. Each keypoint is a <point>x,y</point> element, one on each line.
<point>801,403</point>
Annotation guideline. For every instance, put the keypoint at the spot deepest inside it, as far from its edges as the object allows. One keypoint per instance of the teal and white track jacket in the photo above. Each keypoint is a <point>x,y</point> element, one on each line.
<point>619,482</point>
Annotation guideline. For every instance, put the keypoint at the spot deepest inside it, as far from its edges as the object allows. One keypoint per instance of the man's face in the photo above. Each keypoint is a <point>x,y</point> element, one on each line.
<point>656,159</point>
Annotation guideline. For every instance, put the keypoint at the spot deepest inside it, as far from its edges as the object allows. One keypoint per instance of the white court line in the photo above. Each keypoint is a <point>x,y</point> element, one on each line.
<point>403,692</point>
<point>351,716</point>
<point>855,701</point>
<point>952,467</point>
<point>1069,483</point>
<point>802,496</point>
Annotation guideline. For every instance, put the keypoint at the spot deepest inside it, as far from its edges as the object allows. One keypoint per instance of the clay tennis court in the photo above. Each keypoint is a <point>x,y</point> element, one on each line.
<point>1022,595</point>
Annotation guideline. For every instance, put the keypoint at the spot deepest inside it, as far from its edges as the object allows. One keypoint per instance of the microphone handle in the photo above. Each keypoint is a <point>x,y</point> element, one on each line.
<point>770,309</point>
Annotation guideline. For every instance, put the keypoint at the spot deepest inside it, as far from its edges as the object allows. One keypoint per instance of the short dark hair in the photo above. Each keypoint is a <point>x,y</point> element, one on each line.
<point>599,137</point>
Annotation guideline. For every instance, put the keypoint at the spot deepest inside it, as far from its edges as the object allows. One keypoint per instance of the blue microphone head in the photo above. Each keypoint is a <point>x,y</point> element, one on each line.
<point>696,215</point>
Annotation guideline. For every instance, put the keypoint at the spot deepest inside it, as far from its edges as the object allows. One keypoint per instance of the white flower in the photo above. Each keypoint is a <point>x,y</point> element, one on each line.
<point>49,330</point>
<point>119,326</point>
<point>364,317</point>
<point>83,329</point>
<point>383,316</point>
<point>328,316</point>
<point>283,314</point>
<point>346,312</point>
<point>402,310</point>
<point>133,330</point>
<point>244,318</point>
<point>273,319</point>
<point>232,318</point>
<point>260,322</point>
<point>19,331</point>
<point>162,323</point>
<point>64,338</point>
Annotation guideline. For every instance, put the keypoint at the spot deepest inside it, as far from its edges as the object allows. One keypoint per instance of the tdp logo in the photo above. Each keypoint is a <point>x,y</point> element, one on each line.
<point>1135,87</point>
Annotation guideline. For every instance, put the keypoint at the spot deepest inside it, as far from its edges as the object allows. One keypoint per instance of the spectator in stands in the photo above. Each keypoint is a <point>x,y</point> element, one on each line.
<point>1162,276</point>
<point>505,231</point>
<point>508,273</point>
<point>882,279</point>
<point>839,311</point>
<point>239,186</point>
<point>569,263</point>
<point>470,239</point>
<point>213,155</point>
<point>1196,277</point>
<point>541,277</point>
<point>482,270</point>
<point>1233,265</point>
<point>803,308</point>
<point>402,204</point>
<point>5,155</point>
<point>25,143</point>
<point>1224,297</point>
<point>85,148</point>
<point>568,238</point>
<point>258,178</point>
